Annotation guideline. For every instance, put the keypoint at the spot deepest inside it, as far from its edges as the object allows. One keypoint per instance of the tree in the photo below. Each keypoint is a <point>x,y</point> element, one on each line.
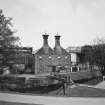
<point>6,33</point>
<point>94,54</point>
<point>99,53</point>
<point>86,54</point>
<point>7,38</point>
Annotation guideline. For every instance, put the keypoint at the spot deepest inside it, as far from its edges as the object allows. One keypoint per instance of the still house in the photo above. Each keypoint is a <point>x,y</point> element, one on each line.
<point>47,58</point>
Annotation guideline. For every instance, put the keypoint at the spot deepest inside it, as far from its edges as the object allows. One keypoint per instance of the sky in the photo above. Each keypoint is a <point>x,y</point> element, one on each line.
<point>77,21</point>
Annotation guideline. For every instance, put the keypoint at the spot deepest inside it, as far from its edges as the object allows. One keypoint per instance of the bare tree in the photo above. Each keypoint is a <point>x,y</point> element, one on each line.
<point>99,53</point>
<point>86,54</point>
<point>95,54</point>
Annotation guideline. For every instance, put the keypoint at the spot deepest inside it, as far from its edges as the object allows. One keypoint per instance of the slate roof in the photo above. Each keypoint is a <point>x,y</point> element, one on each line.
<point>58,50</point>
<point>45,50</point>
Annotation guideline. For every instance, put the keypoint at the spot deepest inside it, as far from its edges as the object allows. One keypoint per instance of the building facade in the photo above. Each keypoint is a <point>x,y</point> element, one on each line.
<point>18,59</point>
<point>75,53</point>
<point>47,58</point>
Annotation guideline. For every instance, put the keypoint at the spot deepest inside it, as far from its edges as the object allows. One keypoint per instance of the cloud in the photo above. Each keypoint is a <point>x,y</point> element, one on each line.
<point>91,5</point>
<point>78,21</point>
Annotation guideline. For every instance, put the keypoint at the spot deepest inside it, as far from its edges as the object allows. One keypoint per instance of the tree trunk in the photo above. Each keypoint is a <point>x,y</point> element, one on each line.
<point>103,70</point>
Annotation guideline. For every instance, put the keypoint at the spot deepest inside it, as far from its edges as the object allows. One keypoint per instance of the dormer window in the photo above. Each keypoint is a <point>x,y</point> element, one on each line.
<point>66,57</point>
<point>58,57</point>
<point>49,57</point>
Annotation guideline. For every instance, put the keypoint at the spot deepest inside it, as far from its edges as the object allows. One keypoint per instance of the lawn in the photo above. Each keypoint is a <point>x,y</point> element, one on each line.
<point>93,81</point>
<point>79,91</point>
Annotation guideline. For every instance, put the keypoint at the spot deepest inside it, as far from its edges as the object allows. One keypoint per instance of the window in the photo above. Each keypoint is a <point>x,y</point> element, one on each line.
<point>49,57</point>
<point>58,57</point>
<point>66,57</point>
<point>40,57</point>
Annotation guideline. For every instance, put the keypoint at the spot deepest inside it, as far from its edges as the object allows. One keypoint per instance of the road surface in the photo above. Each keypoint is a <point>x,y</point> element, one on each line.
<point>50,100</point>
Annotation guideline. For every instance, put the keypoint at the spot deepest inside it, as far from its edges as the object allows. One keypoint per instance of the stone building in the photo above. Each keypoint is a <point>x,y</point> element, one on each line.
<point>46,57</point>
<point>19,58</point>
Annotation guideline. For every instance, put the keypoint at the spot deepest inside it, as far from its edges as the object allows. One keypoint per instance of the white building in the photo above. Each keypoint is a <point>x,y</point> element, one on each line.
<point>75,53</point>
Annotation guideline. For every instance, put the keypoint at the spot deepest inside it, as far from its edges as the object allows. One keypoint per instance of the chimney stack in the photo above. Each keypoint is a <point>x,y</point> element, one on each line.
<point>45,39</point>
<point>57,48</point>
<point>57,40</point>
<point>45,49</point>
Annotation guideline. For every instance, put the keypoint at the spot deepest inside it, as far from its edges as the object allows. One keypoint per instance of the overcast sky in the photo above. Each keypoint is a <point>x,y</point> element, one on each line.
<point>77,21</point>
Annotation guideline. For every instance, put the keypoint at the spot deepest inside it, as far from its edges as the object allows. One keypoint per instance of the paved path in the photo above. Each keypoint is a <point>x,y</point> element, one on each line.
<point>101,85</point>
<point>48,100</point>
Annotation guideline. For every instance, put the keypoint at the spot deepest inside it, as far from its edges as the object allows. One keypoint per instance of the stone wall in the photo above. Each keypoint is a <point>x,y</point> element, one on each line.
<point>44,63</point>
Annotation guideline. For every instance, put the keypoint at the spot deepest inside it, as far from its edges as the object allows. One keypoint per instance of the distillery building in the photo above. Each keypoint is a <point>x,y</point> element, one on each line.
<point>18,59</point>
<point>47,58</point>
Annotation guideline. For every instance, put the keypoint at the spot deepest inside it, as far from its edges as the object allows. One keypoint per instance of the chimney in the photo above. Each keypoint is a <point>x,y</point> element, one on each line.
<point>57,40</point>
<point>45,49</point>
<point>58,49</point>
<point>45,39</point>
